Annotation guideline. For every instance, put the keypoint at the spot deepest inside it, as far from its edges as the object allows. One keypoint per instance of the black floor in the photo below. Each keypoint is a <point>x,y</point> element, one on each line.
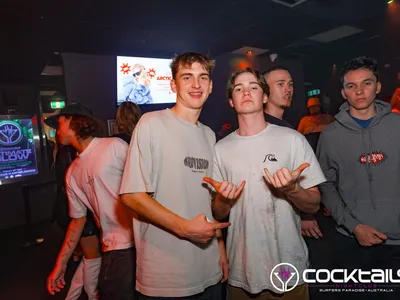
<point>23,271</point>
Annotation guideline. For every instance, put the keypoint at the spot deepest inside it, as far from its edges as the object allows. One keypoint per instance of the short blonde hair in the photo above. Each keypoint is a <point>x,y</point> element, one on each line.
<point>128,115</point>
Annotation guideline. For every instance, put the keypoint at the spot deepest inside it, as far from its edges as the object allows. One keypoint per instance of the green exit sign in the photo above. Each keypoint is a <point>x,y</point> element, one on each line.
<point>313,93</point>
<point>57,104</point>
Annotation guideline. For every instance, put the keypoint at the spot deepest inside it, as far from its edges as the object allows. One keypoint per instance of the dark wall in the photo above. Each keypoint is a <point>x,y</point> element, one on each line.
<point>92,81</point>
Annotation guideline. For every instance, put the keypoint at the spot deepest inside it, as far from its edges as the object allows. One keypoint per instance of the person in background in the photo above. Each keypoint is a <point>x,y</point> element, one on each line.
<point>395,101</point>
<point>89,244</point>
<point>360,156</point>
<point>128,115</point>
<point>311,126</point>
<point>280,96</point>
<point>92,183</point>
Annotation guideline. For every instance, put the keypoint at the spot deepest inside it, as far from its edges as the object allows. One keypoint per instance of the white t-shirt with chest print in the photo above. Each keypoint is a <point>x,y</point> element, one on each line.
<point>265,228</point>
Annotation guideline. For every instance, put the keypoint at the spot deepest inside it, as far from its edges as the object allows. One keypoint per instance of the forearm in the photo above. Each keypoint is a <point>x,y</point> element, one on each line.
<point>306,200</point>
<point>71,240</point>
<point>220,207</point>
<point>148,208</point>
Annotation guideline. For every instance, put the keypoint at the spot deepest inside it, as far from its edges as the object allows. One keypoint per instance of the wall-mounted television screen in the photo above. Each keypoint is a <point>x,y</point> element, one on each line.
<point>144,80</point>
<point>18,148</point>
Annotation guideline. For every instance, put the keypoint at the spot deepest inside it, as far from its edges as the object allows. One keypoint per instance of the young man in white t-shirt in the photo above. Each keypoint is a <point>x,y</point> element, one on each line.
<point>265,218</point>
<point>92,182</point>
<point>178,254</point>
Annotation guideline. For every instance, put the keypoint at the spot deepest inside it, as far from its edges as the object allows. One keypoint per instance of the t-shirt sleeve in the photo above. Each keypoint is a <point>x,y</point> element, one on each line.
<point>313,175</point>
<point>217,173</point>
<point>138,171</point>
<point>76,208</point>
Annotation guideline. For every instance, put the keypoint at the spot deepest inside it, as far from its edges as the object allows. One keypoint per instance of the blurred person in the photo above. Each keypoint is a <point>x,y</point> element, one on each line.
<point>92,183</point>
<point>281,174</point>
<point>312,125</point>
<point>360,155</point>
<point>181,253</point>
<point>280,96</point>
<point>395,101</point>
<point>128,115</point>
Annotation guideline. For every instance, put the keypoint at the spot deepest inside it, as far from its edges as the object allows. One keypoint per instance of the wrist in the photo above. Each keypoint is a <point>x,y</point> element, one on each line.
<point>181,229</point>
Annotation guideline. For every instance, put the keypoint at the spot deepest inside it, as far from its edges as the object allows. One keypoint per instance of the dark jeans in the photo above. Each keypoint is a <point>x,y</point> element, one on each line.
<point>117,279</point>
<point>213,292</point>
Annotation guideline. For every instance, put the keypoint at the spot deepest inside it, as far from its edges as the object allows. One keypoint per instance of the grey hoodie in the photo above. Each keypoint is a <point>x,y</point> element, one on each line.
<point>362,168</point>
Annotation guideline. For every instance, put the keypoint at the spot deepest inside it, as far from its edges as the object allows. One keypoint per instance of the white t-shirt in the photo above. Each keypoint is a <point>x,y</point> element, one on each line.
<point>265,228</point>
<point>93,182</point>
<point>169,157</point>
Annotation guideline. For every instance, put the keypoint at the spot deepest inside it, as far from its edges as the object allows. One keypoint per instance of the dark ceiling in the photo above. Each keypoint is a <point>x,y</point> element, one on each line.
<point>32,31</point>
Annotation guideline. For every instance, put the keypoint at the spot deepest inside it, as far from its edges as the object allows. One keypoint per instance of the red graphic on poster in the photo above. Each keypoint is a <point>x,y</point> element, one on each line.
<point>125,68</point>
<point>151,73</point>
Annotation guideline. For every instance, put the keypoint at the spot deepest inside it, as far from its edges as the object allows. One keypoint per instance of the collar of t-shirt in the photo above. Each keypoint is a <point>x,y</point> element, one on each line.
<point>274,120</point>
<point>363,123</point>
<point>87,150</point>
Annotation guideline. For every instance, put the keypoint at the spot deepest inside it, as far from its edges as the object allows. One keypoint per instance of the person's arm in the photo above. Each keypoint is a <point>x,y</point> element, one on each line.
<point>223,258</point>
<point>330,195</point>
<point>300,128</point>
<point>137,186</point>
<point>306,200</point>
<point>55,281</point>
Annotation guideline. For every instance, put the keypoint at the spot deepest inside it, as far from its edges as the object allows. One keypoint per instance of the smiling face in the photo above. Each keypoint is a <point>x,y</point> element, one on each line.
<point>247,95</point>
<point>192,84</point>
<point>360,88</point>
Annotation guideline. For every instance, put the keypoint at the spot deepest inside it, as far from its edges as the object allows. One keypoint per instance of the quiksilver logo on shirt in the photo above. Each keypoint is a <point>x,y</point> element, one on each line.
<point>196,163</point>
<point>270,157</point>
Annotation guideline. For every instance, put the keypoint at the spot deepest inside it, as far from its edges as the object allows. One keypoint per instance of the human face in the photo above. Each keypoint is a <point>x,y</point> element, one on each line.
<point>314,110</point>
<point>64,133</point>
<point>360,88</point>
<point>281,88</point>
<point>247,95</point>
<point>192,85</point>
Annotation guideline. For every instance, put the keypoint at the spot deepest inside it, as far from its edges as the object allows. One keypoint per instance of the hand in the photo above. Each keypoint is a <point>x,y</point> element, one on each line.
<point>226,189</point>
<point>284,180</point>
<point>200,230</point>
<point>224,264</point>
<point>55,281</point>
<point>310,228</point>
<point>368,236</point>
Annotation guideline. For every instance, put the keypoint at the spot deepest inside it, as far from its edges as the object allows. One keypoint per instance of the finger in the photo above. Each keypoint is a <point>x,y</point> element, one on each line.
<point>318,231</point>
<point>303,233</point>
<point>222,187</point>
<point>269,176</point>
<point>232,192</point>
<point>221,225</point>
<point>228,190</point>
<point>307,232</point>
<point>211,181</point>
<point>380,235</point>
<point>286,173</point>
<point>278,183</point>
<point>239,189</point>
<point>314,233</point>
<point>283,180</point>
<point>296,173</point>
<point>50,287</point>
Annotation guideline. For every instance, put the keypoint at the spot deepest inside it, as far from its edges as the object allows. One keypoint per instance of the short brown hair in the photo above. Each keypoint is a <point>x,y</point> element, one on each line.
<point>85,127</point>
<point>128,115</point>
<point>188,58</point>
<point>260,80</point>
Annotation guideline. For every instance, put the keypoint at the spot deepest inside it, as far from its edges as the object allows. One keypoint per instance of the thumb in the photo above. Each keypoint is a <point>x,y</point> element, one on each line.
<point>211,181</point>
<point>221,225</point>
<point>296,173</point>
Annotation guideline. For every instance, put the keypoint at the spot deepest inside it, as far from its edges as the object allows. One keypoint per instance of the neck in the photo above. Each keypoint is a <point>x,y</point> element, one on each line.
<point>80,145</point>
<point>251,124</point>
<point>274,111</point>
<point>363,114</point>
<point>187,114</point>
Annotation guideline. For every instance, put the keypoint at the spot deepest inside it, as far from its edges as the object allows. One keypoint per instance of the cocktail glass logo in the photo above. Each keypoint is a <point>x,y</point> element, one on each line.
<point>10,133</point>
<point>282,274</point>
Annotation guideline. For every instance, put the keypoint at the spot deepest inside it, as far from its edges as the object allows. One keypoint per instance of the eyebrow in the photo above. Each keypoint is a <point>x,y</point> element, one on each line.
<point>251,82</point>
<point>283,80</point>
<point>191,74</point>
<point>368,79</point>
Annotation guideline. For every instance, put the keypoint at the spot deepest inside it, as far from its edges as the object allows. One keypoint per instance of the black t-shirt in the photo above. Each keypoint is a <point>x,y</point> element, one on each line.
<point>276,121</point>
